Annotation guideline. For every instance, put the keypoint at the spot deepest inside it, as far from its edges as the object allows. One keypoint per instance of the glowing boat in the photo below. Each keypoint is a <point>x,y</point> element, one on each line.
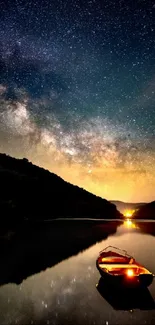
<point>118,267</point>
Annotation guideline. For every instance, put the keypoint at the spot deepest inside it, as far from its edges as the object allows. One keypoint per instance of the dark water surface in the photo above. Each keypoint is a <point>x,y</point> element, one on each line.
<point>48,274</point>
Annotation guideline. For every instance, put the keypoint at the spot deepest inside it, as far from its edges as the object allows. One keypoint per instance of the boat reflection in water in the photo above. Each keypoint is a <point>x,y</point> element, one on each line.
<point>126,298</point>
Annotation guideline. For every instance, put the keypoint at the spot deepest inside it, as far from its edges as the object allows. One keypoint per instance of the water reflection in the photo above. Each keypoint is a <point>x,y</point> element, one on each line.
<point>61,257</point>
<point>123,298</point>
<point>130,224</point>
<point>36,247</point>
<point>147,227</point>
<point>144,226</point>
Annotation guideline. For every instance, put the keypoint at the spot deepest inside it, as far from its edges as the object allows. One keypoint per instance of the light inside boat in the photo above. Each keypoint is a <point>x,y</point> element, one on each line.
<point>130,273</point>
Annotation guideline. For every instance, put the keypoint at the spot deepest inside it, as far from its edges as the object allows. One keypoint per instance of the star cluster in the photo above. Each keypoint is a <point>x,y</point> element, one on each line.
<point>77,91</point>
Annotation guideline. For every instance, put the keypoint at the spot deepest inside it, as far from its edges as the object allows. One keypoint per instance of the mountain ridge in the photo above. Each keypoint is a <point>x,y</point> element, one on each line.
<point>122,206</point>
<point>146,211</point>
<point>32,192</point>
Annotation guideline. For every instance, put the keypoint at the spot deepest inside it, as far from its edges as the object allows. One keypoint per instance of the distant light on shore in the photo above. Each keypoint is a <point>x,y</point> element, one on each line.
<point>128,213</point>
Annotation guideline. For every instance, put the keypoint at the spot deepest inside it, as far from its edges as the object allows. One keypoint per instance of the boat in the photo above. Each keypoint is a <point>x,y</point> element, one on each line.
<point>119,268</point>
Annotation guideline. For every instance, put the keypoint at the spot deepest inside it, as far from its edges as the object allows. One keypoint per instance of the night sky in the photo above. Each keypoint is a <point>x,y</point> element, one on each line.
<point>77,91</point>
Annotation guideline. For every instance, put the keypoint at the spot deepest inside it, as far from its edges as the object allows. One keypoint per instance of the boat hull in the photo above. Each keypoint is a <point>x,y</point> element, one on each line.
<point>144,280</point>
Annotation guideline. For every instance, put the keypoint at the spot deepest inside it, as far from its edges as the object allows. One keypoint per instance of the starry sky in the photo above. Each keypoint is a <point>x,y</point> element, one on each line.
<point>77,91</point>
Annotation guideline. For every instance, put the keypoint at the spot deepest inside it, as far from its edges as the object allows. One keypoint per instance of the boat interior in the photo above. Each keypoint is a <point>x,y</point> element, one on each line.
<point>114,263</point>
<point>128,269</point>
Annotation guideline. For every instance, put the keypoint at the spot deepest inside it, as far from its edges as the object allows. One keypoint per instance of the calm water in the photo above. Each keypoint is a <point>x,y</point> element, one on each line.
<point>48,275</point>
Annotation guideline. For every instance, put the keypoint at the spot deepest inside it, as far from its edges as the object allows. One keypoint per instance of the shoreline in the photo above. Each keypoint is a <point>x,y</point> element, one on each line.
<point>89,219</point>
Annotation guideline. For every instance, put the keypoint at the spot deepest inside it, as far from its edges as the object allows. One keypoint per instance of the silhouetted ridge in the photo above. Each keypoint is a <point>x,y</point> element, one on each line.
<point>122,206</point>
<point>146,211</point>
<point>34,193</point>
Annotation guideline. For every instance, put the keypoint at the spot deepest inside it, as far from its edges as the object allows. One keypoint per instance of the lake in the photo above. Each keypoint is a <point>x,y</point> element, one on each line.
<point>48,274</point>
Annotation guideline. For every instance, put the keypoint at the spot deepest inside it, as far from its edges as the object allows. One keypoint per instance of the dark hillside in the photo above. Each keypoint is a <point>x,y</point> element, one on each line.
<point>30,192</point>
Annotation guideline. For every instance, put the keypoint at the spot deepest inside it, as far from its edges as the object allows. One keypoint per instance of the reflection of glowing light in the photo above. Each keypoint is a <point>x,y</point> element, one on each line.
<point>130,273</point>
<point>128,213</point>
<point>130,224</point>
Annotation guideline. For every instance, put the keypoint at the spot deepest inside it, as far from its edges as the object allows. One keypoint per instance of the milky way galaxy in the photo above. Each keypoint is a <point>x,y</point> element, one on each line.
<point>77,92</point>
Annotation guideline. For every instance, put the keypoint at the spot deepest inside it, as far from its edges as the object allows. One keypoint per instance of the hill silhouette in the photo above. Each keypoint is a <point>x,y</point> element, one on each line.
<point>122,206</point>
<point>33,193</point>
<point>146,211</point>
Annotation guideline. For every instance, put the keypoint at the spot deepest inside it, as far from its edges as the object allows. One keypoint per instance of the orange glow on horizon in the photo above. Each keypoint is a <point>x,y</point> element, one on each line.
<point>93,152</point>
<point>128,213</point>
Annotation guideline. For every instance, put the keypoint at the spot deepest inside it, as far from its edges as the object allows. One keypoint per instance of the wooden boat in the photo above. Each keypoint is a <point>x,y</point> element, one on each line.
<point>120,268</point>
